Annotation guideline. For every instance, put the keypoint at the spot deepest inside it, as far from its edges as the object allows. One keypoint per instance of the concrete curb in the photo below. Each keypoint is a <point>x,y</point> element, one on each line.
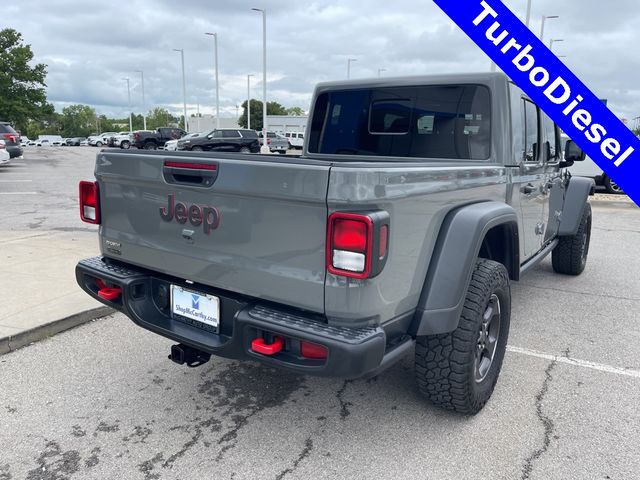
<point>9,344</point>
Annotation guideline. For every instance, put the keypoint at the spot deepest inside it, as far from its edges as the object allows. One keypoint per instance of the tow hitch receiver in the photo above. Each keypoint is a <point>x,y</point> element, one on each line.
<point>258,345</point>
<point>182,354</point>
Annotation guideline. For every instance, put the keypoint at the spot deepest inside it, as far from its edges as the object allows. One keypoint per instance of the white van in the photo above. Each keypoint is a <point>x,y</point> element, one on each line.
<point>296,139</point>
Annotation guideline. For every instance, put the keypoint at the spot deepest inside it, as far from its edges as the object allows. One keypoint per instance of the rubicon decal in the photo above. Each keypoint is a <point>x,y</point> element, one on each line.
<point>552,86</point>
<point>205,215</point>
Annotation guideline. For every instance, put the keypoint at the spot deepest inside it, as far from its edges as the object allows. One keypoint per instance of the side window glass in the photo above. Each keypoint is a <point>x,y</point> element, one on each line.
<point>217,134</point>
<point>531,132</point>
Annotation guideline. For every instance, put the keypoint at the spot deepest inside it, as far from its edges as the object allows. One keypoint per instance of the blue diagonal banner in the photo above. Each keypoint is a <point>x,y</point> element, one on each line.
<point>549,83</point>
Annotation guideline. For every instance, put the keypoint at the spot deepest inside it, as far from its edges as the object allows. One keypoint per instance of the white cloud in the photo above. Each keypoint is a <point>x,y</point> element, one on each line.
<point>89,46</point>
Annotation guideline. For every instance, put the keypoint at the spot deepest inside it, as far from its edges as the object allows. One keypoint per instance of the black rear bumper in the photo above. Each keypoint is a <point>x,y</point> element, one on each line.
<point>352,352</point>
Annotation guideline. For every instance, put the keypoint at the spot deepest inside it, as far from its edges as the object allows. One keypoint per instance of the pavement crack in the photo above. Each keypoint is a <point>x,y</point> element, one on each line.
<point>546,421</point>
<point>344,405</point>
<point>588,294</point>
<point>306,451</point>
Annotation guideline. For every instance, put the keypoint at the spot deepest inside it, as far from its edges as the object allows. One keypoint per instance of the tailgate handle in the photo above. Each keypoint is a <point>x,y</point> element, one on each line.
<point>190,173</point>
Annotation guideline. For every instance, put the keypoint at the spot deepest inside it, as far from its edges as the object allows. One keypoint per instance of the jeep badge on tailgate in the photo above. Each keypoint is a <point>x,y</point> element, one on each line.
<point>207,216</point>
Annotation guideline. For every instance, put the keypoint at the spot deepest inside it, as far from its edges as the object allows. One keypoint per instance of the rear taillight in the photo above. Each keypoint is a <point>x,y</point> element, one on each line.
<point>89,202</point>
<point>11,137</point>
<point>357,243</point>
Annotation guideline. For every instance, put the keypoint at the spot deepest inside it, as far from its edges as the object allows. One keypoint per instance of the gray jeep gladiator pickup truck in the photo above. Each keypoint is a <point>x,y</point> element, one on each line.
<point>414,204</point>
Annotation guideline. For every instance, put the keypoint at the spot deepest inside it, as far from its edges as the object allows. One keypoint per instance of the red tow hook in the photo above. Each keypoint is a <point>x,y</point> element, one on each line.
<point>258,345</point>
<point>107,293</point>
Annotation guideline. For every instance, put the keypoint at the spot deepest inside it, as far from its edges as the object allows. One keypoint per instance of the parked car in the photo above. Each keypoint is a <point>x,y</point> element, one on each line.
<point>75,141</point>
<point>101,139</point>
<point>5,158</point>
<point>11,139</point>
<point>295,138</point>
<point>172,145</point>
<point>276,142</point>
<point>24,141</point>
<point>122,140</point>
<point>43,142</point>
<point>84,143</point>
<point>223,140</point>
<point>590,169</point>
<point>153,140</point>
<point>398,232</point>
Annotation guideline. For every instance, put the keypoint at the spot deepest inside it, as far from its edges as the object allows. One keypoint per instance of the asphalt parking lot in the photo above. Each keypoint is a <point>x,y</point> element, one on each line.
<point>102,401</point>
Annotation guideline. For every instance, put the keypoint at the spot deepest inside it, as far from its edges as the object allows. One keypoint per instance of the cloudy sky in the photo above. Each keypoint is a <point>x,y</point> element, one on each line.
<point>89,46</point>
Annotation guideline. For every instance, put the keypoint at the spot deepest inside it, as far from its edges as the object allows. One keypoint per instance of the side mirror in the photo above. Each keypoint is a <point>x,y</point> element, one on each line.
<point>209,137</point>
<point>573,153</point>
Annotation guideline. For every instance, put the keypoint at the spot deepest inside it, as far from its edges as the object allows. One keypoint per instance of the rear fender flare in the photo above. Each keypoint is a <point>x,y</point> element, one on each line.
<point>453,260</point>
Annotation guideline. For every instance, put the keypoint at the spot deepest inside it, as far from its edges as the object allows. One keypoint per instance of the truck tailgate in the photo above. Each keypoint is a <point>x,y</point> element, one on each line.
<point>258,228</point>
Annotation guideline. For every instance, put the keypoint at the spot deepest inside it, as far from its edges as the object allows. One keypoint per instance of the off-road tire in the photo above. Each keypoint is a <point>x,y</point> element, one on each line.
<point>570,255</point>
<point>611,186</point>
<point>245,150</point>
<point>445,364</point>
<point>125,145</point>
<point>150,146</point>
<point>197,149</point>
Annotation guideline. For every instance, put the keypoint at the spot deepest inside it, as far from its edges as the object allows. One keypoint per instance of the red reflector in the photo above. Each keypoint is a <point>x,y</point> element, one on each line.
<point>89,202</point>
<point>384,239</point>
<point>259,345</point>
<point>110,293</point>
<point>193,166</point>
<point>349,235</point>
<point>312,350</point>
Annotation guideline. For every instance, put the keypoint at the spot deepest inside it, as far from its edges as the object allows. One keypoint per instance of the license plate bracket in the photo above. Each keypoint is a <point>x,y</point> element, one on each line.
<point>187,304</point>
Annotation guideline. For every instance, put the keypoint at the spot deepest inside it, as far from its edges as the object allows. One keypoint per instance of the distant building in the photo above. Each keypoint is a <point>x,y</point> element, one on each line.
<point>287,123</point>
<point>206,123</point>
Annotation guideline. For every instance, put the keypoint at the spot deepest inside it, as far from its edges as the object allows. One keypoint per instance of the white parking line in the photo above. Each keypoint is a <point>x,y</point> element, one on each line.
<point>14,181</point>
<point>576,362</point>
<point>18,193</point>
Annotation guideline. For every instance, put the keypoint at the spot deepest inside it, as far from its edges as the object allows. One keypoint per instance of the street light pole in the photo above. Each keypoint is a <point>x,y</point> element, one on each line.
<point>249,101</point>
<point>526,22</point>
<point>380,70</point>
<point>184,88</point>
<point>349,60</point>
<point>129,104</point>
<point>544,19</point>
<point>528,18</point>
<point>265,147</point>
<point>554,40</point>
<point>144,109</point>
<point>215,44</point>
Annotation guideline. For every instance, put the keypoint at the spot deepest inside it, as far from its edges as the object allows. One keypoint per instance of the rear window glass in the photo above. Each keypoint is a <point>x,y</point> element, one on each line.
<point>6,128</point>
<point>448,121</point>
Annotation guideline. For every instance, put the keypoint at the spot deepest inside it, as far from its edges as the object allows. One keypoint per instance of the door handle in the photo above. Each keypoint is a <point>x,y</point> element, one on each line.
<point>529,188</point>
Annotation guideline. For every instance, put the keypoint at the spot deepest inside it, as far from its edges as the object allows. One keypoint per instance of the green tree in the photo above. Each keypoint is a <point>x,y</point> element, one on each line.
<point>160,117</point>
<point>22,86</point>
<point>273,108</point>
<point>78,120</point>
<point>296,111</point>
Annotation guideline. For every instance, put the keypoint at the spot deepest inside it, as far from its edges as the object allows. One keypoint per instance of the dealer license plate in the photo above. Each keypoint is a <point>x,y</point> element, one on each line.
<point>195,306</point>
